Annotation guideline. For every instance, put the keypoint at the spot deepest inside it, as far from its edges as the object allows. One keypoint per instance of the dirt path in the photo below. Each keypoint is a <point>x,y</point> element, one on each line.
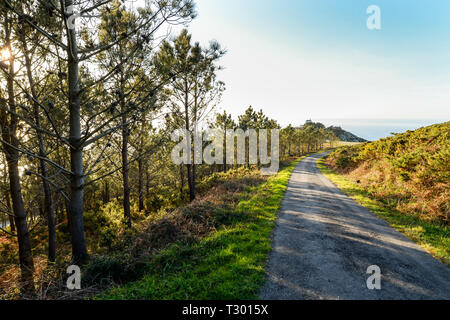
<point>324,242</point>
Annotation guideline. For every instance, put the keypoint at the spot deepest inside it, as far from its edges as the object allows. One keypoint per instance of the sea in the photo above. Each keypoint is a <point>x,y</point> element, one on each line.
<point>375,129</point>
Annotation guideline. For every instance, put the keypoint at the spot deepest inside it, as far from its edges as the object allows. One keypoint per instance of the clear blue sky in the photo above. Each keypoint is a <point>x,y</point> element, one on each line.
<point>299,59</point>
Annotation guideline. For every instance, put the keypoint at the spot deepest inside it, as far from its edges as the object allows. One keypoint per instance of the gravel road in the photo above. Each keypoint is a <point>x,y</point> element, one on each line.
<point>324,242</point>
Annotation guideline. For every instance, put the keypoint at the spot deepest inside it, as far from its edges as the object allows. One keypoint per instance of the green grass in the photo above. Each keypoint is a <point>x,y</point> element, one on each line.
<point>435,238</point>
<point>346,143</point>
<point>229,264</point>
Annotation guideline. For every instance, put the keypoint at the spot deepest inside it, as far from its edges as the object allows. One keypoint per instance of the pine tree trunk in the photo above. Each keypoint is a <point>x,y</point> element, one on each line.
<point>141,169</point>
<point>181,181</point>
<point>191,182</point>
<point>125,137</point>
<point>147,183</point>
<point>106,195</point>
<point>125,172</point>
<point>10,143</point>
<point>225,148</point>
<point>194,156</point>
<point>12,225</point>
<point>20,220</point>
<point>141,184</point>
<point>75,212</point>
<point>48,203</point>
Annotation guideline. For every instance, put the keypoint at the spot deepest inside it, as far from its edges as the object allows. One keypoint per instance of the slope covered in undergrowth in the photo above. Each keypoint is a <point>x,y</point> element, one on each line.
<point>228,263</point>
<point>404,180</point>
<point>409,170</point>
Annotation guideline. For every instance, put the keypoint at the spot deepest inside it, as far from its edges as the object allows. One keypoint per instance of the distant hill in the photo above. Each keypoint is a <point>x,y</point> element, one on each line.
<point>340,133</point>
<point>345,135</point>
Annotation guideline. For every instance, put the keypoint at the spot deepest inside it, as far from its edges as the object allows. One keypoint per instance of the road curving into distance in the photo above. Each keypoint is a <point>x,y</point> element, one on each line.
<point>324,243</point>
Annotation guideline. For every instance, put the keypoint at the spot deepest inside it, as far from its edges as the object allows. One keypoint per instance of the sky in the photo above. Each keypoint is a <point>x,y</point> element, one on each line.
<point>316,59</point>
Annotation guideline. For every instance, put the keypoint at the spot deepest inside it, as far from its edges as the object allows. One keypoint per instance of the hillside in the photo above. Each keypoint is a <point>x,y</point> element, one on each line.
<point>409,171</point>
<point>340,133</point>
<point>345,135</point>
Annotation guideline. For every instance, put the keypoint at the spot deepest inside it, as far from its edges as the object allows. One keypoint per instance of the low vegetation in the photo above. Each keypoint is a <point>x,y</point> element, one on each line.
<point>228,263</point>
<point>219,241</point>
<point>405,180</point>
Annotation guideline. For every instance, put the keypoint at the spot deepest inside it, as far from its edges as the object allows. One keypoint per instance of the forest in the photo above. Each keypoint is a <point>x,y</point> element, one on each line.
<point>89,98</point>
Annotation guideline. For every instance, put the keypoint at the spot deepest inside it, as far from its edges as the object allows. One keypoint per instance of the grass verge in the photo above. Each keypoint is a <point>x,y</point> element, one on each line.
<point>433,237</point>
<point>228,264</point>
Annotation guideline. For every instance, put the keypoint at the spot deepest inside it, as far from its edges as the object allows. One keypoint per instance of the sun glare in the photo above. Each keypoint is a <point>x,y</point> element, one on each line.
<point>5,54</point>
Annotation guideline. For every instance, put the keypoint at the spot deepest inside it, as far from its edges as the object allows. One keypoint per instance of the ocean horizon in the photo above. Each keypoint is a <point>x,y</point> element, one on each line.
<point>375,129</point>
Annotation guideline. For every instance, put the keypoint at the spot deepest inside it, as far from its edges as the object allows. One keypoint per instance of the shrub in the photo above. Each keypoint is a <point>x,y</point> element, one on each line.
<point>412,169</point>
<point>116,268</point>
